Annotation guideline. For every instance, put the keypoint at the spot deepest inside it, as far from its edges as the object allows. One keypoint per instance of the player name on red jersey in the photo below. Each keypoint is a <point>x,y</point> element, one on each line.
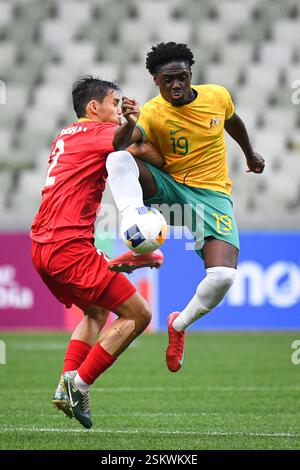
<point>73,130</point>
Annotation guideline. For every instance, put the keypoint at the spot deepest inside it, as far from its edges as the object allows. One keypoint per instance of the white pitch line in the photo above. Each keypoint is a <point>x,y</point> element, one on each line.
<point>196,389</point>
<point>230,389</point>
<point>166,415</point>
<point>154,431</point>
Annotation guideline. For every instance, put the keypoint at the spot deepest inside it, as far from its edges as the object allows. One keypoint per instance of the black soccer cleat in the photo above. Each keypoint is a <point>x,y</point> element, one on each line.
<point>79,401</point>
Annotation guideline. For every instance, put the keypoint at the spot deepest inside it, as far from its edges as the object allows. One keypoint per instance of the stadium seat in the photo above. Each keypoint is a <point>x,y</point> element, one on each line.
<point>5,142</point>
<point>141,93</point>
<point>222,74</point>
<point>190,10</point>
<point>136,75</point>
<point>77,11</point>
<point>99,35</point>
<point>21,36</point>
<point>26,200</point>
<point>287,31</point>
<point>251,47</point>
<point>248,115</point>
<point>292,73</point>
<point>256,32</point>
<point>56,32</point>
<point>251,97</point>
<point>8,55</point>
<point>6,9</point>
<point>16,99</point>
<point>51,97</point>
<point>55,74</point>
<point>237,54</point>
<point>104,70</point>
<point>262,77</point>
<point>83,52</point>
<point>131,33</point>
<point>5,184</point>
<point>280,119</point>
<point>212,32</point>
<point>177,31</point>
<point>275,55</point>
<point>35,11</point>
<point>234,12</point>
<point>148,11</point>
<point>270,144</point>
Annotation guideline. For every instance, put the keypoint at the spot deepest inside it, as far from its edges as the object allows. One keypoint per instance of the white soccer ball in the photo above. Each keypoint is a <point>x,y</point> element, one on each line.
<point>143,229</point>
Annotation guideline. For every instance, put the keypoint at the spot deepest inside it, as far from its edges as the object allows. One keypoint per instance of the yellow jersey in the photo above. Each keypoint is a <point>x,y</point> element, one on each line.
<point>191,137</point>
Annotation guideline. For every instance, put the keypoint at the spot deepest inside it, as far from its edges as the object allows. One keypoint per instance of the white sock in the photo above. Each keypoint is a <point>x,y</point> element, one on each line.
<point>208,295</point>
<point>80,384</point>
<point>123,179</point>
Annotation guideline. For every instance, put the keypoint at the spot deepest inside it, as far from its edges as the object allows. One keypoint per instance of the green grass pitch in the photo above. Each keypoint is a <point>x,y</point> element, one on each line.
<point>235,391</point>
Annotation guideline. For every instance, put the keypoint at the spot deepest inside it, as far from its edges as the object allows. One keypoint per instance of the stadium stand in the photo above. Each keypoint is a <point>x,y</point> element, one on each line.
<point>251,47</point>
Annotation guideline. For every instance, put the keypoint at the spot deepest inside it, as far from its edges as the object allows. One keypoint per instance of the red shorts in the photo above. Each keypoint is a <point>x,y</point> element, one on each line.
<point>77,273</point>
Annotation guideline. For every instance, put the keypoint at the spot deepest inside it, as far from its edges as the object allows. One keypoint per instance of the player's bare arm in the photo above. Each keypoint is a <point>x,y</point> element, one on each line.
<point>237,130</point>
<point>147,152</point>
<point>129,133</point>
<point>124,134</point>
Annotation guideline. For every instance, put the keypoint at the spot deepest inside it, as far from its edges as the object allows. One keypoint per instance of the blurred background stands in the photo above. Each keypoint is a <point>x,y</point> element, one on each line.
<point>250,46</point>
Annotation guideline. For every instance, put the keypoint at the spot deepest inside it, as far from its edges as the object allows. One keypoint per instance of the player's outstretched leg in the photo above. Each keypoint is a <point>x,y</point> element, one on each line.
<point>123,178</point>
<point>82,340</point>
<point>134,317</point>
<point>175,349</point>
<point>208,295</point>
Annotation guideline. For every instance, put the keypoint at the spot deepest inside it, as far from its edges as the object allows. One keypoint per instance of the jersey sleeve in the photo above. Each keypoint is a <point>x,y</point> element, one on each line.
<point>144,123</point>
<point>104,136</point>
<point>229,111</point>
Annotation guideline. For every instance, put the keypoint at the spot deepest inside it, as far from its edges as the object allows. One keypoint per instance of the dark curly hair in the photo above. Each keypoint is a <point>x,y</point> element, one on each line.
<point>166,52</point>
<point>90,88</point>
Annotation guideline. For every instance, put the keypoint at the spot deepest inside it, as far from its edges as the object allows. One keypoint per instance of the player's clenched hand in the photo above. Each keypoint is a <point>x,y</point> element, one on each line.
<point>255,163</point>
<point>130,109</point>
<point>147,152</point>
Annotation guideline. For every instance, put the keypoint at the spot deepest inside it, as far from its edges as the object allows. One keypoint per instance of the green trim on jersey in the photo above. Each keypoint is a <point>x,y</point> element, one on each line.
<point>142,131</point>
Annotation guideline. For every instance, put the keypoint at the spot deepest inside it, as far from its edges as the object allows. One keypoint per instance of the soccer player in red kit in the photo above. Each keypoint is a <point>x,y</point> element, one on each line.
<point>63,250</point>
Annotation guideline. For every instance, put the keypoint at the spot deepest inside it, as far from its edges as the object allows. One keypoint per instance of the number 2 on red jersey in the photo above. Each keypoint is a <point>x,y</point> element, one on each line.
<point>57,152</point>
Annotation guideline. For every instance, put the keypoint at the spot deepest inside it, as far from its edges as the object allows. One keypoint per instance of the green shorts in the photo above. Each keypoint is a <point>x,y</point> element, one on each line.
<point>204,212</point>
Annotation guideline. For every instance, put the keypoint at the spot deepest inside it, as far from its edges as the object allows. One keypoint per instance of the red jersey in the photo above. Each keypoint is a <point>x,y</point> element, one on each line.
<point>75,182</point>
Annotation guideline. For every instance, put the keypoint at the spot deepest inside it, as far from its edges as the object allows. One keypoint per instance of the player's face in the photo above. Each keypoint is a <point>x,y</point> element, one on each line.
<point>174,82</point>
<point>109,110</point>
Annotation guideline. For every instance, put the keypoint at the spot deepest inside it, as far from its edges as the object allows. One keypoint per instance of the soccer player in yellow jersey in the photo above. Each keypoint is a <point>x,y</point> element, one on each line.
<point>185,124</point>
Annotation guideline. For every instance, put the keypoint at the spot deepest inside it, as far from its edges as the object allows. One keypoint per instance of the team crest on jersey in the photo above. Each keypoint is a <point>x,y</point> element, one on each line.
<point>215,122</point>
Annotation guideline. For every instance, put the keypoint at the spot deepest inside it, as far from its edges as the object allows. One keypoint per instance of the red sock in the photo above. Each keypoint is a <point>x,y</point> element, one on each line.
<point>95,364</point>
<point>76,353</point>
